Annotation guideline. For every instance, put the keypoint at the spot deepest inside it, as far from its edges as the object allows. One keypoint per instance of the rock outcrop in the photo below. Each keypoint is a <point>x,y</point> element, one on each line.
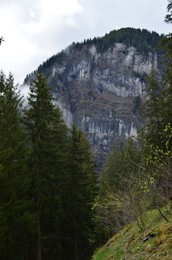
<point>100,88</point>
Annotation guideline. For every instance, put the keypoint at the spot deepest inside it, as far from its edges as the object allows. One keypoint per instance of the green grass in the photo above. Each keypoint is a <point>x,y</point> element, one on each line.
<point>130,243</point>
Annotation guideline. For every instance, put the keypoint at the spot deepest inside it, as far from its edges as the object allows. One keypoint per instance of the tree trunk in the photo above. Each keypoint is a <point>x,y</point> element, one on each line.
<point>39,249</point>
<point>76,247</point>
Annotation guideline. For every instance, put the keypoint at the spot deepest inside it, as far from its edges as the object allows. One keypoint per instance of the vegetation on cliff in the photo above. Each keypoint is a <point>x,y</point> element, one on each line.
<point>142,40</point>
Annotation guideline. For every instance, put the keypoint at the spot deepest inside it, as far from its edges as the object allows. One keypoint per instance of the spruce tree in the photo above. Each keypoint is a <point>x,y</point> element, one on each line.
<point>153,111</point>
<point>15,221</point>
<point>156,138</point>
<point>47,135</point>
<point>157,108</point>
<point>80,193</point>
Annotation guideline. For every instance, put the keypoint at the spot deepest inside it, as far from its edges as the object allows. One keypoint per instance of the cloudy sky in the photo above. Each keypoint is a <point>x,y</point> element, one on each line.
<point>36,30</point>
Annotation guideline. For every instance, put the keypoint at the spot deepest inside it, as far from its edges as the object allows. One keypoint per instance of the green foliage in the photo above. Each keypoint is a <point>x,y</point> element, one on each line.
<point>62,176</point>
<point>156,155</point>
<point>120,199</point>
<point>154,242</point>
<point>47,179</point>
<point>142,40</point>
<point>48,136</point>
<point>48,207</point>
<point>58,59</point>
<point>158,160</point>
<point>156,136</point>
<point>168,17</point>
<point>80,194</point>
<point>15,220</point>
<point>153,111</point>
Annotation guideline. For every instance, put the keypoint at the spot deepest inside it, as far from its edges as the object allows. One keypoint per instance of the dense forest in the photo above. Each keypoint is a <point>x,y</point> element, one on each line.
<point>52,204</point>
<point>47,179</point>
<point>142,40</point>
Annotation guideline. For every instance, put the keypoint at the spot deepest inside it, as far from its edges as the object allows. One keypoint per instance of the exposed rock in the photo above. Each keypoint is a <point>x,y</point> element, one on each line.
<point>96,89</point>
<point>149,236</point>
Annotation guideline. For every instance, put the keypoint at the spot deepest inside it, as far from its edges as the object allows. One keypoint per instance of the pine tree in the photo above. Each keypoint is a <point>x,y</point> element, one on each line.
<point>153,111</point>
<point>168,17</point>
<point>158,106</point>
<point>167,44</point>
<point>80,195</point>
<point>15,221</point>
<point>47,134</point>
<point>156,136</point>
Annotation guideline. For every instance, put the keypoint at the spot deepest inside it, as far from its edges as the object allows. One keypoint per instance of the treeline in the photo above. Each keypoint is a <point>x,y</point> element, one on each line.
<point>143,40</point>
<point>47,179</point>
<point>138,174</point>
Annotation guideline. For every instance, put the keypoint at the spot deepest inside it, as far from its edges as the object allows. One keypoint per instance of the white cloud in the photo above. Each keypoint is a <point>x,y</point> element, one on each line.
<point>51,13</point>
<point>35,30</point>
<point>30,32</point>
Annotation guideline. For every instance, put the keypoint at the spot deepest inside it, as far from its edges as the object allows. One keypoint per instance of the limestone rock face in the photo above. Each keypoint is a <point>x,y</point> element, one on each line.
<point>100,91</point>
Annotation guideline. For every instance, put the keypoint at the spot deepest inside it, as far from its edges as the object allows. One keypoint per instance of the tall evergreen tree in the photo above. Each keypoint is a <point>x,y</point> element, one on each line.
<point>167,44</point>
<point>15,221</point>
<point>80,195</point>
<point>153,110</point>
<point>168,17</point>
<point>47,133</point>
<point>156,138</point>
<point>158,105</point>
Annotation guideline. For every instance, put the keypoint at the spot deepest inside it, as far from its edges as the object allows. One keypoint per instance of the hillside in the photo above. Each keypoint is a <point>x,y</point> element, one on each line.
<point>99,84</point>
<point>152,242</point>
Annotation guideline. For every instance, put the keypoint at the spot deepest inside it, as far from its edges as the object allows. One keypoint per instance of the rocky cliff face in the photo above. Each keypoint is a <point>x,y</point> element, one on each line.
<point>101,90</point>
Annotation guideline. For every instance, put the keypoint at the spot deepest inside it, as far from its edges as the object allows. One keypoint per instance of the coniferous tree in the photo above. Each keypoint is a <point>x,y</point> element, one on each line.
<point>168,17</point>
<point>167,44</point>
<point>80,195</point>
<point>47,134</point>
<point>15,221</point>
<point>157,108</point>
<point>156,137</point>
<point>153,111</point>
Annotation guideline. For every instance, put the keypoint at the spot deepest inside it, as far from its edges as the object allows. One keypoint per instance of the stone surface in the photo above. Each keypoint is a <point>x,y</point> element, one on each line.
<point>96,90</point>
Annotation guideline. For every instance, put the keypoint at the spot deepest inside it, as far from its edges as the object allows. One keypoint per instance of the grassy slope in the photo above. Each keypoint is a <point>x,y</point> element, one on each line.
<point>153,242</point>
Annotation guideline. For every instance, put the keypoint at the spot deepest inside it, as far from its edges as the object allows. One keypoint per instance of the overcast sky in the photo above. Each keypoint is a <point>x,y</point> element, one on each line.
<point>36,30</point>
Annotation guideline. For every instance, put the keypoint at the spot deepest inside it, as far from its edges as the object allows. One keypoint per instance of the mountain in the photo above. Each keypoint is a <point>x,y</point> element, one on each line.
<point>99,84</point>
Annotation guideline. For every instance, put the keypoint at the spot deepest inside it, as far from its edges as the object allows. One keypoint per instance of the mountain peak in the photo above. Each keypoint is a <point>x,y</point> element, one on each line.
<point>98,82</point>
